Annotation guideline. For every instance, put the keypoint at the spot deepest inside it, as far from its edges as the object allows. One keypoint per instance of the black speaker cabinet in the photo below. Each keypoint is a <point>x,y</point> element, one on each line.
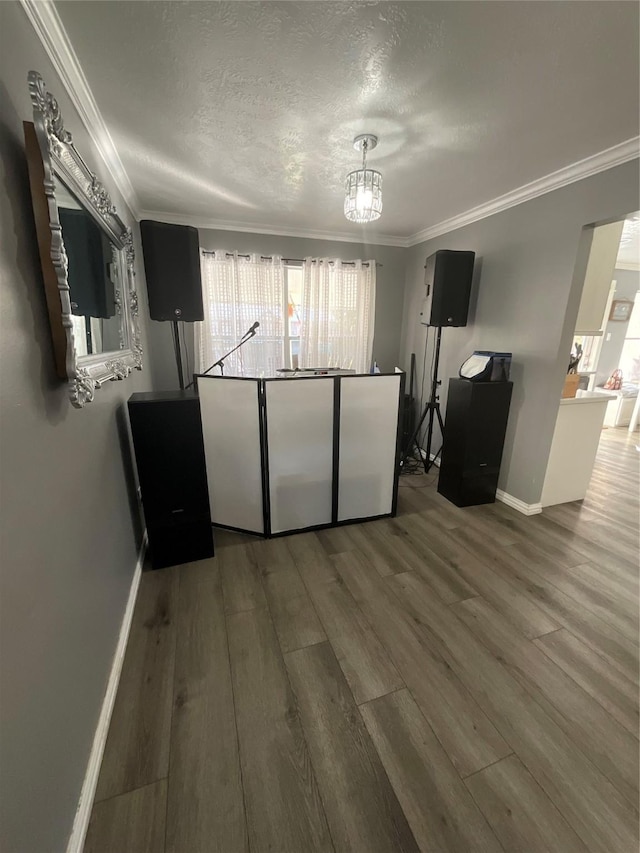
<point>474,430</point>
<point>448,277</point>
<point>169,450</point>
<point>172,267</point>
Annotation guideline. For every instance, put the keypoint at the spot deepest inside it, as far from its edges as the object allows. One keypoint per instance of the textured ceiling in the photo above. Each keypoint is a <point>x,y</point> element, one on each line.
<point>245,112</point>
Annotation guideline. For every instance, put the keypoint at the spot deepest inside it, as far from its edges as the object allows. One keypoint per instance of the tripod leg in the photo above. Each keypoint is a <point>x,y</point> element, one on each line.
<point>414,434</point>
<point>432,462</point>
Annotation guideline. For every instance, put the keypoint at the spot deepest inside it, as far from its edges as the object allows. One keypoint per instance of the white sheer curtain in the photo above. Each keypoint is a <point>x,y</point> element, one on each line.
<point>238,291</point>
<point>338,307</point>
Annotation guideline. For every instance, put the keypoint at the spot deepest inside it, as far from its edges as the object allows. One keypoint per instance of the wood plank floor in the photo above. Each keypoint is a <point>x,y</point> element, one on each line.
<point>451,680</point>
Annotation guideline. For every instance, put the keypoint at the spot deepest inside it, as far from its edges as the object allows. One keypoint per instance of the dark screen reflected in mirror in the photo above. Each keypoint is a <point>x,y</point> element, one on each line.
<point>92,260</point>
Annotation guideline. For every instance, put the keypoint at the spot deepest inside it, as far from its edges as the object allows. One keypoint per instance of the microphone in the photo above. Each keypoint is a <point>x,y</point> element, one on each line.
<point>251,331</point>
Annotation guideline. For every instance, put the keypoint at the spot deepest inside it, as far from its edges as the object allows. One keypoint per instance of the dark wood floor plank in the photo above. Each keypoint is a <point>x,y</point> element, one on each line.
<point>137,748</point>
<point>441,814</point>
<point>470,553</point>
<point>439,572</point>
<point>335,540</point>
<point>608,534</point>
<point>382,559</point>
<point>241,579</point>
<point>560,552</point>
<point>361,806</point>
<point>593,551</point>
<point>283,807</point>
<point>469,738</point>
<point>623,589</point>
<point>311,559</point>
<point>205,808</point>
<point>578,586</point>
<point>616,693</point>
<point>293,614</point>
<point>590,803</point>
<point>388,542</point>
<point>362,657</point>
<point>129,823</point>
<point>560,607</point>
<point>522,816</point>
<point>493,526</point>
<point>594,731</point>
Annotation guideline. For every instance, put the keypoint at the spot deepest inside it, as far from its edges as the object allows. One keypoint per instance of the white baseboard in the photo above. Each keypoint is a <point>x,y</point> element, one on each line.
<point>516,503</point>
<point>83,812</point>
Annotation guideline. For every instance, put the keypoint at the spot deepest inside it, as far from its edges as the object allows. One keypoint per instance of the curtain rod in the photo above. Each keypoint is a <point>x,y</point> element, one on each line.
<point>287,260</point>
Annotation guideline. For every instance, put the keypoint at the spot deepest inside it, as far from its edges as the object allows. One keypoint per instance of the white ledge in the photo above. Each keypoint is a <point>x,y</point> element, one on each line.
<point>587,397</point>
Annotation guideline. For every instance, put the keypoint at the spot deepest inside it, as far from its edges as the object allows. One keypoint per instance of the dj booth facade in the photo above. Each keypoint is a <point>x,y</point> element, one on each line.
<point>285,455</point>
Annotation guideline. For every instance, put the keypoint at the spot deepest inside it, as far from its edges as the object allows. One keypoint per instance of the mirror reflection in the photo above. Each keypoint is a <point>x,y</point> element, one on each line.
<point>92,275</point>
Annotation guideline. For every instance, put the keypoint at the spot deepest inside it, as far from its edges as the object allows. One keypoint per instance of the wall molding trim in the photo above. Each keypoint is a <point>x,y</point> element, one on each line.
<point>600,162</point>
<point>627,265</point>
<point>516,503</point>
<point>50,30</point>
<point>258,228</point>
<point>87,794</point>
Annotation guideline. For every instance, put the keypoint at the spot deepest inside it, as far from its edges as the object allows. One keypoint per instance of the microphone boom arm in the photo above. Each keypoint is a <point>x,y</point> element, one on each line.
<point>220,362</point>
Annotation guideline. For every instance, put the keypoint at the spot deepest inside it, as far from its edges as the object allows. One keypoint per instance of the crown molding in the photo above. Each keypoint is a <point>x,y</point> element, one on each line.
<point>50,30</point>
<point>259,228</point>
<point>52,34</point>
<point>614,156</point>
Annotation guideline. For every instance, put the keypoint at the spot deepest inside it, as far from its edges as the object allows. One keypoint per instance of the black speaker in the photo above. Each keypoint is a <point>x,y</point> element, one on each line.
<point>169,451</point>
<point>474,430</point>
<point>448,277</point>
<point>172,267</point>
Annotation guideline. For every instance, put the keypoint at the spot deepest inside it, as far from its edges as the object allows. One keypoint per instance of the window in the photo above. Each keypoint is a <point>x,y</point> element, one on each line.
<point>316,314</point>
<point>293,290</point>
<point>630,357</point>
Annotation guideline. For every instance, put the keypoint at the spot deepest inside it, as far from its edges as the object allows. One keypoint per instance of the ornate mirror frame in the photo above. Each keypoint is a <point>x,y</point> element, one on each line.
<point>60,158</point>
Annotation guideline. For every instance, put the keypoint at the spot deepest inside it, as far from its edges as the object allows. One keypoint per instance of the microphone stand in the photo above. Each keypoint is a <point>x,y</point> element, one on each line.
<point>220,362</point>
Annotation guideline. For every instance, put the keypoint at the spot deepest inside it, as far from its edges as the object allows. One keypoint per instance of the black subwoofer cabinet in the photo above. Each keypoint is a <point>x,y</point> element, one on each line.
<point>474,431</point>
<point>169,450</point>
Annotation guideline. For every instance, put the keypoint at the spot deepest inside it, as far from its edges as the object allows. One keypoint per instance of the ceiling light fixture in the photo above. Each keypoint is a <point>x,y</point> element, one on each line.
<point>363,188</point>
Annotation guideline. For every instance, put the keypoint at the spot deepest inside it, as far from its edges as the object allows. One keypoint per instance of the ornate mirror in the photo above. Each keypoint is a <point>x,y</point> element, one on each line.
<point>87,257</point>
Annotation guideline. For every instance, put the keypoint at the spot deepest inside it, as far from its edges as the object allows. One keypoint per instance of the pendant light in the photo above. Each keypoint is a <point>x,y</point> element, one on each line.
<point>363,188</point>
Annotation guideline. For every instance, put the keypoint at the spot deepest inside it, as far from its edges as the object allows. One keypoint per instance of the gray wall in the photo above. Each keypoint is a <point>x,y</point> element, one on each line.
<point>70,529</point>
<point>525,300</point>
<point>627,285</point>
<point>390,279</point>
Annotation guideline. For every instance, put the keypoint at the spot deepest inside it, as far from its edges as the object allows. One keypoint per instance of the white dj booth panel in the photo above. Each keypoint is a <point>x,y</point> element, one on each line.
<point>367,482</point>
<point>298,453</point>
<point>232,445</point>
<point>299,419</point>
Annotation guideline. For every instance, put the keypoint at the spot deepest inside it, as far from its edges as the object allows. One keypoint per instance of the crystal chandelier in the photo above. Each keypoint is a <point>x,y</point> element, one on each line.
<point>363,188</point>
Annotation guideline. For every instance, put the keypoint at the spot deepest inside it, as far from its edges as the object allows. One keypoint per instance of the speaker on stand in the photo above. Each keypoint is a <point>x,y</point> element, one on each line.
<point>172,266</point>
<point>448,279</point>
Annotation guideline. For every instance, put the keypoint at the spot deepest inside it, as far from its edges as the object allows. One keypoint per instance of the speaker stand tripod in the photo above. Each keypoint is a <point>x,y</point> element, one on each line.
<point>178,352</point>
<point>432,411</point>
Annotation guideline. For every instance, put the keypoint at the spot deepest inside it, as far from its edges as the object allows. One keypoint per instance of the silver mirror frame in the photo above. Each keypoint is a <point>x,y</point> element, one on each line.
<point>60,158</point>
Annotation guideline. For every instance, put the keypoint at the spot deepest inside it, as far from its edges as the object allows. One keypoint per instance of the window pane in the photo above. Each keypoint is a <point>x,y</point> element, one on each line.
<point>633,329</point>
<point>630,361</point>
<point>590,350</point>
<point>294,281</point>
